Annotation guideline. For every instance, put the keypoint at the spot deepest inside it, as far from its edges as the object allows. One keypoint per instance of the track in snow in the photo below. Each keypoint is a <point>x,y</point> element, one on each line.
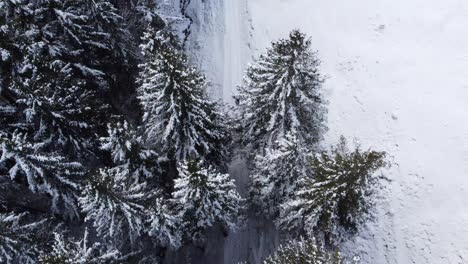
<point>235,46</point>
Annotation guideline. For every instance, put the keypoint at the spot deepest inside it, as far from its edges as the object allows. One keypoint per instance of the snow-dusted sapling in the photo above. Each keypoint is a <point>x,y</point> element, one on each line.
<point>179,118</point>
<point>205,198</point>
<point>282,93</point>
<point>305,252</point>
<point>276,174</point>
<point>339,196</point>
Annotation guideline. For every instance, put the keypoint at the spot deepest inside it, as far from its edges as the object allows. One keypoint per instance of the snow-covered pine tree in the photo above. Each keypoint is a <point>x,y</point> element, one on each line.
<point>58,54</point>
<point>165,226</point>
<point>128,151</point>
<point>108,33</point>
<point>114,204</point>
<point>116,199</point>
<point>282,93</point>
<point>82,251</point>
<point>42,171</point>
<point>139,14</point>
<point>205,198</point>
<point>124,201</point>
<point>339,196</point>
<point>54,80</point>
<point>304,252</point>
<point>276,174</point>
<point>179,118</point>
<point>17,241</point>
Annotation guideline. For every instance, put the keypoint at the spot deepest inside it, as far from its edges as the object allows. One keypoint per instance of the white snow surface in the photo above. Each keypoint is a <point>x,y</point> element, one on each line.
<point>397,81</point>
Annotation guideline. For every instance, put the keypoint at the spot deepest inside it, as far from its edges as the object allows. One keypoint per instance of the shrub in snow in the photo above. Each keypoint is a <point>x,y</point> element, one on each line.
<point>205,197</point>
<point>179,118</point>
<point>281,94</point>
<point>339,196</point>
<point>276,174</point>
<point>82,251</point>
<point>304,252</point>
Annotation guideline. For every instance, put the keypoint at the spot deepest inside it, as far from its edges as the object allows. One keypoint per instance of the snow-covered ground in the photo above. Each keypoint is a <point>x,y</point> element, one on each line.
<point>397,81</point>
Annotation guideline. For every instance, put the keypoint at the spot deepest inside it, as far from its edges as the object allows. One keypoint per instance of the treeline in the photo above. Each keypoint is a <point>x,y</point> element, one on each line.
<point>113,152</point>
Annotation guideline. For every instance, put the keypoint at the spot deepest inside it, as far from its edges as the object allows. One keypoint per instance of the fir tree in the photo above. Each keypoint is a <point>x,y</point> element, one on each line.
<point>304,252</point>
<point>57,67</point>
<point>115,199</point>
<point>51,89</point>
<point>82,251</point>
<point>205,198</point>
<point>282,94</point>
<point>128,151</point>
<point>124,201</point>
<point>179,118</point>
<point>115,206</point>
<point>339,197</point>
<point>276,174</point>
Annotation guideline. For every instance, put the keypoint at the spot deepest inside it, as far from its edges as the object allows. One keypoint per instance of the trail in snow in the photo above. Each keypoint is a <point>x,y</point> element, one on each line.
<point>219,45</point>
<point>235,46</point>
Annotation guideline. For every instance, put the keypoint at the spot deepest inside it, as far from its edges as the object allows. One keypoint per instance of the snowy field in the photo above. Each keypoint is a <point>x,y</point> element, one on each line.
<point>397,81</point>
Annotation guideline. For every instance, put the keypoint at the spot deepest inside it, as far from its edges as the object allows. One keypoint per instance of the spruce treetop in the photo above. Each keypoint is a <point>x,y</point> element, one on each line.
<point>179,118</point>
<point>282,93</point>
<point>205,197</point>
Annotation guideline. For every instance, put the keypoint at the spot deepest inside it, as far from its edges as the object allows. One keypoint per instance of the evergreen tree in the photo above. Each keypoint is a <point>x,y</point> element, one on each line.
<point>339,197</point>
<point>42,171</point>
<point>52,82</point>
<point>82,251</point>
<point>123,201</point>
<point>276,174</point>
<point>115,205</point>
<point>17,243</point>
<point>115,199</point>
<point>164,225</point>
<point>304,252</point>
<point>205,198</point>
<point>128,151</point>
<point>281,94</point>
<point>179,118</point>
